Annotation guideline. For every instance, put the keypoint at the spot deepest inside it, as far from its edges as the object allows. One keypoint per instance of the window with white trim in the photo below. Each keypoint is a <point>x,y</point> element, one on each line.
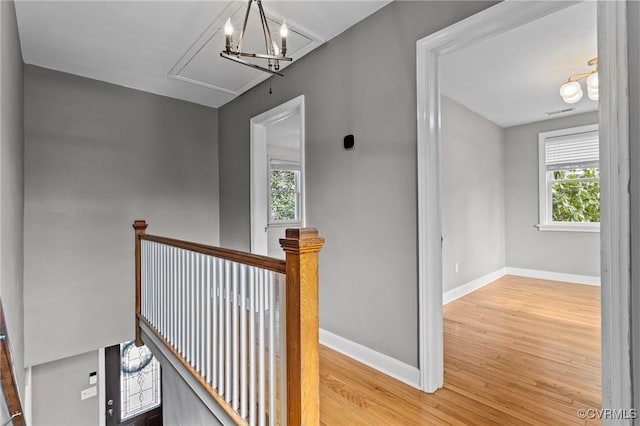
<point>284,192</point>
<point>569,179</point>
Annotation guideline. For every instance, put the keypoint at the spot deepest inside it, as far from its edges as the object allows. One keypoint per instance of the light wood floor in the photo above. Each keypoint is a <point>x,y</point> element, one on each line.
<point>518,351</point>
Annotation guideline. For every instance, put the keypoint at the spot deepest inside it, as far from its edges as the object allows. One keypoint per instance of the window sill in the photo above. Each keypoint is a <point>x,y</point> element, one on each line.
<point>285,225</point>
<point>569,227</point>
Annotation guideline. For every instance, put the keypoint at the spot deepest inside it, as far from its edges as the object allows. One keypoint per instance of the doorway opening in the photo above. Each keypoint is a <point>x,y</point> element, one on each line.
<point>133,388</point>
<point>614,172</point>
<point>277,175</point>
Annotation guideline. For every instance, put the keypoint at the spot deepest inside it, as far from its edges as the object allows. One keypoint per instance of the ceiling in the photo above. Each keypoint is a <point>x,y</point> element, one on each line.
<point>513,78</point>
<point>171,48</point>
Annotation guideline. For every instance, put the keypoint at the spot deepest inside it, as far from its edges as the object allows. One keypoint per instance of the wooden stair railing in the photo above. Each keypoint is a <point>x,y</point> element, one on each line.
<point>300,332</point>
<point>8,379</point>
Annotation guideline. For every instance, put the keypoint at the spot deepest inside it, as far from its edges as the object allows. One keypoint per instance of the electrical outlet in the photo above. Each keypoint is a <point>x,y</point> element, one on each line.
<point>456,267</point>
<point>88,393</point>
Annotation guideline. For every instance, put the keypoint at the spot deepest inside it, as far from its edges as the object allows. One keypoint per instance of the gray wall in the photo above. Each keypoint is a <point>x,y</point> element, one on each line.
<point>4,411</point>
<point>363,201</point>
<point>11,184</point>
<point>180,405</point>
<point>473,201</point>
<point>97,157</point>
<point>634,114</point>
<point>56,392</point>
<point>565,252</point>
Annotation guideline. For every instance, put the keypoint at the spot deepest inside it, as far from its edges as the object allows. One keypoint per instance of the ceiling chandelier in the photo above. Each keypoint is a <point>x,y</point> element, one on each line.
<point>571,91</point>
<point>273,54</point>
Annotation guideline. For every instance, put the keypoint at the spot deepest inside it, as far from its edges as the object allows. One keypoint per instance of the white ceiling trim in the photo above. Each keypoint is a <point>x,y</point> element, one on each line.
<point>216,25</point>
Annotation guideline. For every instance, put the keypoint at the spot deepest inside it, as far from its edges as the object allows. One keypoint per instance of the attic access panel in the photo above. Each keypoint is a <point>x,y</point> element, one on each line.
<point>203,66</point>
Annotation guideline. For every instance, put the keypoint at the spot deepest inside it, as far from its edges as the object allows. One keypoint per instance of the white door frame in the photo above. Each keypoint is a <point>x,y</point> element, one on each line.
<point>614,163</point>
<point>259,169</point>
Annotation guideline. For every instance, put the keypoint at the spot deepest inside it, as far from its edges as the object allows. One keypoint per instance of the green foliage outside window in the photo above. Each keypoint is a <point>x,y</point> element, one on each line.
<point>283,195</point>
<point>575,195</point>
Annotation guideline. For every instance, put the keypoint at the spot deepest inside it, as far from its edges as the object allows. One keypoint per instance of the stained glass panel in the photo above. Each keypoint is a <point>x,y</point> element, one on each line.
<point>139,380</point>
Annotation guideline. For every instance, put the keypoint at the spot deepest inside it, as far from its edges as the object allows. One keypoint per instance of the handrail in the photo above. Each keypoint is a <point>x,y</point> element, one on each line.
<point>264,262</point>
<point>300,333</point>
<point>7,378</point>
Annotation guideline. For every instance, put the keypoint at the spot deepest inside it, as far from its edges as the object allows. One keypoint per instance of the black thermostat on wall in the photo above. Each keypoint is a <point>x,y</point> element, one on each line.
<point>349,142</point>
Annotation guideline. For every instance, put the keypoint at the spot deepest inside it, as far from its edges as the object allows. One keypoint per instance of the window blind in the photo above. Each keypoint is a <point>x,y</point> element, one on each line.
<point>284,165</point>
<point>572,151</point>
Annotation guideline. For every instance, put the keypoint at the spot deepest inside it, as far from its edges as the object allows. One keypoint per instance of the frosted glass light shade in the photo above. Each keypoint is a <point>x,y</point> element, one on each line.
<point>571,92</point>
<point>592,86</point>
<point>592,82</point>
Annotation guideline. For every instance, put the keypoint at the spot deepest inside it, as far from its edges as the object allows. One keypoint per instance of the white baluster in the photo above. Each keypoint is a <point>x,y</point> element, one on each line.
<point>221,325</point>
<point>167,289</point>
<point>261,352</point>
<point>163,281</point>
<point>170,294</point>
<point>272,350</point>
<point>174,305</point>
<point>213,284</point>
<point>204,295</point>
<point>282,318</point>
<point>245,272</point>
<point>183,303</point>
<point>193,308</point>
<point>197,323</point>
<point>156,287</point>
<point>206,282</point>
<point>143,269</point>
<point>252,347</point>
<point>149,297</point>
<point>158,302</point>
<point>186,313</point>
<point>156,280</point>
<point>227,330</point>
<point>236,279</point>
<point>193,323</point>
<point>152,286</point>
<point>176,300</point>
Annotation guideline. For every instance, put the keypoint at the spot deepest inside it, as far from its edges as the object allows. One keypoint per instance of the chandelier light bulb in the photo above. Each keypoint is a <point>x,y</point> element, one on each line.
<point>228,28</point>
<point>276,49</point>
<point>228,35</point>
<point>571,92</point>
<point>593,94</point>
<point>284,32</point>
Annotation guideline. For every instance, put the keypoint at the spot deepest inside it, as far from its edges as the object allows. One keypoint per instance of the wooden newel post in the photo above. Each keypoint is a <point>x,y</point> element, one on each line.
<point>140,227</point>
<point>303,365</point>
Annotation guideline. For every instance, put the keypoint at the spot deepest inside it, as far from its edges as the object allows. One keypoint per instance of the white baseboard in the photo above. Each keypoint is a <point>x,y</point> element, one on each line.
<point>376,360</point>
<point>472,286</point>
<point>478,283</point>
<point>554,276</point>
